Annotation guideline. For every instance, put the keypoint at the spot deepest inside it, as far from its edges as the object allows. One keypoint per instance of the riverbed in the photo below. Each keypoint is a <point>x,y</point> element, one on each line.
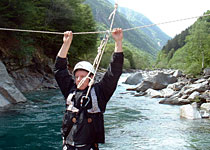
<point>137,123</point>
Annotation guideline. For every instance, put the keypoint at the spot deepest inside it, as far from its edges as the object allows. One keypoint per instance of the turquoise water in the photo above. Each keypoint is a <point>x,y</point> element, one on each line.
<point>137,123</point>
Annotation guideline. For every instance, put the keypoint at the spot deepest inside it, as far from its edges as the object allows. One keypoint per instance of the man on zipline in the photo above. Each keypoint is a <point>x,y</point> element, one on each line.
<point>83,122</point>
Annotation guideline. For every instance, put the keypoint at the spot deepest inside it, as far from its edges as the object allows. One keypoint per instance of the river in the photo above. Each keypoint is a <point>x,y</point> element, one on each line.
<point>137,123</point>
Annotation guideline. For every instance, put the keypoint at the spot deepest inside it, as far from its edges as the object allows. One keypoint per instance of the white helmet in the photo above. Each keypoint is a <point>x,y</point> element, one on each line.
<point>84,65</point>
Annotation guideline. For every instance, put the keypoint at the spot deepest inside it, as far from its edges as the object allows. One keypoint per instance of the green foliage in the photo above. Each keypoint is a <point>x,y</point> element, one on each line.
<point>25,49</point>
<point>162,60</point>
<point>194,69</point>
<point>189,50</point>
<point>178,61</point>
<point>48,15</point>
<point>133,58</point>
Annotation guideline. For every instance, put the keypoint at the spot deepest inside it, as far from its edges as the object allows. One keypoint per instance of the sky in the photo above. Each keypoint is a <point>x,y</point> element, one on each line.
<point>159,11</point>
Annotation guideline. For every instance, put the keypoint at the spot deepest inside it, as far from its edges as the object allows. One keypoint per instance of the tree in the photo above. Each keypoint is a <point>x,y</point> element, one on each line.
<point>198,43</point>
<point>50,15</point>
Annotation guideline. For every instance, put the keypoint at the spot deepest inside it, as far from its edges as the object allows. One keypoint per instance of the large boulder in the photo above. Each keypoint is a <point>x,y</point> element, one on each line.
<point>190,111</point>
<point>153,93</point>
<point>162,80</point>
<point>134,79</point>
<point>8,91</point>
<point>145,85</point>
<point>167,92</point>
<point>199,87</point>
<point>164,93</point>
<point>193,96</point>
<point>157,82</point>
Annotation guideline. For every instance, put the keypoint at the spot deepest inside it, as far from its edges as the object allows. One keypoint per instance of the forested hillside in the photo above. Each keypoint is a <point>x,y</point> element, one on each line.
<point>148,40</point>
<point>44,15</point>
<point>19,50</point>
<point>190,50</point>
<point>137,19</point>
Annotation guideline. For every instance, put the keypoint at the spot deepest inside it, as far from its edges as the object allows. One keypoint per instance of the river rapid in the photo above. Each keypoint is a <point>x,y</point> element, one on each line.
<point>137,123</point>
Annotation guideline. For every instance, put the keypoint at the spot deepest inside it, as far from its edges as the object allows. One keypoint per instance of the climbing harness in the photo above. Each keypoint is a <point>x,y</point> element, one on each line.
<point>94,109</point>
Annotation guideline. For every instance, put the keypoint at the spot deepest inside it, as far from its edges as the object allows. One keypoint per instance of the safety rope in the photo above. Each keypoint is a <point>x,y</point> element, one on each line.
<point>98,58</point>
<point>98,32</point>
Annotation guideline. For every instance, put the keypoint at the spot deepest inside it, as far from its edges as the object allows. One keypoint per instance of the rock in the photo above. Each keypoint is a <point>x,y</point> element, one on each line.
<point>27,79</point>
<point>176,86</point>
<point>199,87</point>
<point>174,101</point>
<point>140,94</point>
<point>162,80</point>
<point>193,96</point>
<point>184,96</point>
<point>134,79</point>
<point>3,101</point>
<point>177,73</point>
<point>205,106</point>
<point>190,111</point>
<point>204,114</point>
<point>153,93</point>
<point>205,110</point>
<point>157,82</point>
<point>131,89</point>
<point>200,81</point>
<point>144,86</point>
<point>205,96</point>
<point>8,91</point>
<point>206,71</point>
<point>166,93</point>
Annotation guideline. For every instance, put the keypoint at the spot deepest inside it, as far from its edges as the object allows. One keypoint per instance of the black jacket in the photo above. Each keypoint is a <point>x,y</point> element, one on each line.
<point>82,132</point>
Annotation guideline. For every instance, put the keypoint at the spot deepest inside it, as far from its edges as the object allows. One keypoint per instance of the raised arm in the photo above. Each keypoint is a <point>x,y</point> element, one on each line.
<point>108,84</point>
<point>62,75</point>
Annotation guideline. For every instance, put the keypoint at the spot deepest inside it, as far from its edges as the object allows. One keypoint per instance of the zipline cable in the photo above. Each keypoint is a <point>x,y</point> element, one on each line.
<point>98,32</point>
<point>167,22</point>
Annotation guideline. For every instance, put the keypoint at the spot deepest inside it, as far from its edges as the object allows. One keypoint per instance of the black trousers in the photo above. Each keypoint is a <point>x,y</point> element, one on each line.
<point>87,147</point>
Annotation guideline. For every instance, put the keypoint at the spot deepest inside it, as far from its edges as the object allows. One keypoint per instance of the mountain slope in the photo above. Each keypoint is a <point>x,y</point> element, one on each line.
<point>138,38</point>
<point>190,50</point>
<point>137,19</point>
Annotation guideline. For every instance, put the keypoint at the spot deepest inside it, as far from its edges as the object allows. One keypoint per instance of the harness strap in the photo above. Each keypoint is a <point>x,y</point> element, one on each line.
<point>95,108</point>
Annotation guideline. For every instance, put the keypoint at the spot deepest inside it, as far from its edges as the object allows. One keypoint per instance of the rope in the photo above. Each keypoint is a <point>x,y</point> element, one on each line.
<point>101,50</point>
<point>167,22</point>
<point>100,32</point>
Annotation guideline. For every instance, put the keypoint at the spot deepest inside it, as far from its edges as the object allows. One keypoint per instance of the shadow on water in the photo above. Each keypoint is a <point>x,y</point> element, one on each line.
<point>137,123</point>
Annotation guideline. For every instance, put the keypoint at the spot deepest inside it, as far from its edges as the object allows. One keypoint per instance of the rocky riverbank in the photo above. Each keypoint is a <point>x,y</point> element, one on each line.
<point>15,81</point>
<point>174,87</point>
